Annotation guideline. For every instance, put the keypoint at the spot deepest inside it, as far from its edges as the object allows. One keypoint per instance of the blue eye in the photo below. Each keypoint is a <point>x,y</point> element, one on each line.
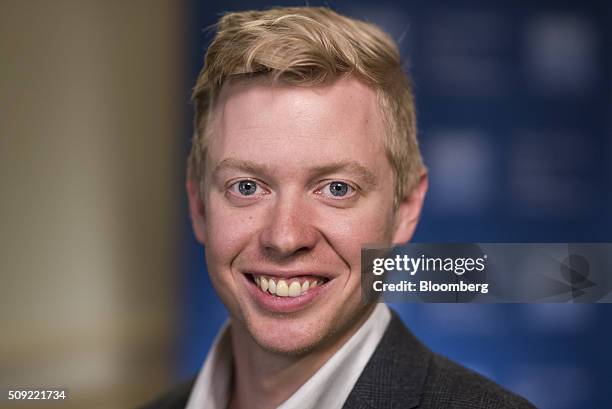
<point>246,191</point>
<point>338,189</point>
<point>247,187</point>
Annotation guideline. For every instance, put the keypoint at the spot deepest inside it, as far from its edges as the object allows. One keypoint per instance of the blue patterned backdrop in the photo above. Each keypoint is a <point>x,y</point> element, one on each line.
<point>514,105</point>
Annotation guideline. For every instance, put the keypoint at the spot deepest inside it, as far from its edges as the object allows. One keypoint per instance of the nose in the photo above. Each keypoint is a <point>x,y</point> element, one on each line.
<point>289,230</point>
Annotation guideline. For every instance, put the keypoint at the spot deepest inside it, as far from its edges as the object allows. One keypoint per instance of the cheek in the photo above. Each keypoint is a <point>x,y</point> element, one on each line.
<point>353,229</point>
<point>228,231</point>
<point>373,220</point>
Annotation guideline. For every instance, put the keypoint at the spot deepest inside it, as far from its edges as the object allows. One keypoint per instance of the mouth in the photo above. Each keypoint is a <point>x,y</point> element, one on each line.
<point>291,287</point>
<point>286,294</point>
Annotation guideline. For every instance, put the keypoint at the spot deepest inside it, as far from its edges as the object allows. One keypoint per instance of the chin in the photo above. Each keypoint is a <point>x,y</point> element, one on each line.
<point>288,336</point>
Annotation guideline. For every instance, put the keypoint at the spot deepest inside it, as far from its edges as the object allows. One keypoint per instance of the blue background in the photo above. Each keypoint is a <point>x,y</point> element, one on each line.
<point>514,106</point>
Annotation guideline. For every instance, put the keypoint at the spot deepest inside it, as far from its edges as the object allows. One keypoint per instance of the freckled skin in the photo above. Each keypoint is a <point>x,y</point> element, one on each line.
<point>292,225</point>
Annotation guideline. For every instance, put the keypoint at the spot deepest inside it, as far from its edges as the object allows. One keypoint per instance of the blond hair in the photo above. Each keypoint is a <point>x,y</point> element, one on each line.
<point>308,46</point>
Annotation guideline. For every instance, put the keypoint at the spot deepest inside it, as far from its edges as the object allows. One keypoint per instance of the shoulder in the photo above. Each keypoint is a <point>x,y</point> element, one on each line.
<point>404,373</point>
<point>176,398</point>
<point>451,385</point>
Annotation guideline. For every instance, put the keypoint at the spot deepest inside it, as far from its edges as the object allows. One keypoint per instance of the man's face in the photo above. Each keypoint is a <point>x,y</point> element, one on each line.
<point>297,180</point>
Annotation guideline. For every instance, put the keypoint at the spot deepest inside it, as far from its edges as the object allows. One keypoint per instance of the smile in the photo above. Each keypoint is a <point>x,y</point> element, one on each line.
<point>281,287</point>
<point>286,293</point>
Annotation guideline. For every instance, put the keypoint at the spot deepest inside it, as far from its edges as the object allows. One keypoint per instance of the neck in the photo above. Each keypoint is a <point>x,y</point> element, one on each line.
<point>264,379</point>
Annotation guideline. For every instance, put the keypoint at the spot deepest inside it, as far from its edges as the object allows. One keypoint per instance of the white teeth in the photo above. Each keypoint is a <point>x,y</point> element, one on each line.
<point>295,289</point>
<point>272,286</point>
<point>282,290</point>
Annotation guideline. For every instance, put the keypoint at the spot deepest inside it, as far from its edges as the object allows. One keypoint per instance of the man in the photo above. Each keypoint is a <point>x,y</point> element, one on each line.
<point>305,150</point>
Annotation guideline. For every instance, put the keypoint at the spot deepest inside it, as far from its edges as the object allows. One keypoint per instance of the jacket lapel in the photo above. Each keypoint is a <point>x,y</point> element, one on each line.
<point>395,374</point>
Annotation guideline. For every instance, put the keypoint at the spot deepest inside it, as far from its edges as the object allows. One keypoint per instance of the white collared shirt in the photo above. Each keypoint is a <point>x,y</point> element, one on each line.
<point>329,387</point>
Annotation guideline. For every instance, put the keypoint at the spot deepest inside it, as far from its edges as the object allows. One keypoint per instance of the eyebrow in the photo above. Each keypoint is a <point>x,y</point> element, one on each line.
<point>240,164</point>
<point>354,167</point>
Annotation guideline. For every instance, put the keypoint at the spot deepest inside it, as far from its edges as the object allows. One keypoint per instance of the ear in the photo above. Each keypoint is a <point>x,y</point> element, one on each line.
<point>409,211</point>
<point>196,209</point>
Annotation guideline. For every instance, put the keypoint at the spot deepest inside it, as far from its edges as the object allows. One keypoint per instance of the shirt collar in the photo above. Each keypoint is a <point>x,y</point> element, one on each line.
<point>328,387</point>
<point>212,387</point>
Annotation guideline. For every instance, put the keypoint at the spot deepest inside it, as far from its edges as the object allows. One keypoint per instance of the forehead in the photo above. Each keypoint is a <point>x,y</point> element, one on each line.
<point>331,100</point>
<point>258,120</point>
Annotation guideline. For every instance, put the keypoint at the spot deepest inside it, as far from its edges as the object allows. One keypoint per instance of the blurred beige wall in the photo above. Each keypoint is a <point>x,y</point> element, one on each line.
<point>92,104</point>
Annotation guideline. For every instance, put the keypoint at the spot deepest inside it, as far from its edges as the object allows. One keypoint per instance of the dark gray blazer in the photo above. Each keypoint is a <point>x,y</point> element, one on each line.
<point>403,373</point>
